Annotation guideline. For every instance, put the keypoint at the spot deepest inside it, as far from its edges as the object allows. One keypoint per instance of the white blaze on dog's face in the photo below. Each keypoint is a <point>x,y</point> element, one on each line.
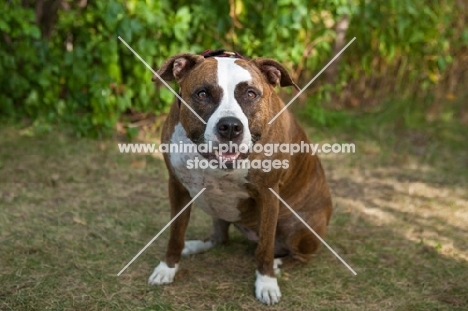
<point>230,75</point>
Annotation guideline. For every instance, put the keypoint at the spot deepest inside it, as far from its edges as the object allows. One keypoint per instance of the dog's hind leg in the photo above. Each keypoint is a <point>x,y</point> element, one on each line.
<point>301,246</point>
<point>219,235</point>
<point>301,251</point>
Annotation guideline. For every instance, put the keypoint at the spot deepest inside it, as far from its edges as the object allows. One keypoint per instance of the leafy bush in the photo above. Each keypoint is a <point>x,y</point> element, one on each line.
<point>83,75</point>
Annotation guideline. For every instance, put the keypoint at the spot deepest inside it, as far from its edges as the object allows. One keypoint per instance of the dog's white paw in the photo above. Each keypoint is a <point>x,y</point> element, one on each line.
<point>196,247</point>
<point>162,274</point>
<point>276,263</point>
<point>267,289</point>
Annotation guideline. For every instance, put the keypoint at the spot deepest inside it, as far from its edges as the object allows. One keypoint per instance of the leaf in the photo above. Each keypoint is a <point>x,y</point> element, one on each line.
<point>4,26</point>
<point>442,63</point>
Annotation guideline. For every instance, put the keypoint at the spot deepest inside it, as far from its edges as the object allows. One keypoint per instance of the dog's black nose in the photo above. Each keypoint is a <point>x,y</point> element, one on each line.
<point>230,128</point>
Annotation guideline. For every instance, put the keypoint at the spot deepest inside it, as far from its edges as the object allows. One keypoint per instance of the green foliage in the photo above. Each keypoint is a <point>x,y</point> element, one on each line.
<point>20,61</point>
<point>419,32</point>
<point>83,75</point>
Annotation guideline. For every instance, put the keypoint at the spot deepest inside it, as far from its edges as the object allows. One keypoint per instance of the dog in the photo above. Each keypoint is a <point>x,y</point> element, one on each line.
<point>236,98</point>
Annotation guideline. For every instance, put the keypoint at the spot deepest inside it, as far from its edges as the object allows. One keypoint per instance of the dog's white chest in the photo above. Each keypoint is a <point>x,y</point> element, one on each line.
<point>224,188</point>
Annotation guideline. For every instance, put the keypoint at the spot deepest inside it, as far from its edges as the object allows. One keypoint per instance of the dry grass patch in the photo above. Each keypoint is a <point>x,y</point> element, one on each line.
<point>74,212</point>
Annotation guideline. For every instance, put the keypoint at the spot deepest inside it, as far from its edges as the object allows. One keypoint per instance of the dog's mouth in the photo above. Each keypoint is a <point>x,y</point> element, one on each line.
<point>217,154</point>
<point>225,156</point>
<point>230,156</point>
<point>226,159</point>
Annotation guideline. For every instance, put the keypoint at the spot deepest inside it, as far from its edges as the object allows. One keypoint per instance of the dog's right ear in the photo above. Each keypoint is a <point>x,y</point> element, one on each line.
<point>274,72</point>
<point>177,66</point>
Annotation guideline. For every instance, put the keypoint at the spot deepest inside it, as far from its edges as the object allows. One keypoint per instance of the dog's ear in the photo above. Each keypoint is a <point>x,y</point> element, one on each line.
<point>177,66</point>
<point>274,72</point>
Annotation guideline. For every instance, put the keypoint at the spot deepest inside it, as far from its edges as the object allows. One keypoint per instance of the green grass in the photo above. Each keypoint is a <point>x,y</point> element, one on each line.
<point>74,212</point>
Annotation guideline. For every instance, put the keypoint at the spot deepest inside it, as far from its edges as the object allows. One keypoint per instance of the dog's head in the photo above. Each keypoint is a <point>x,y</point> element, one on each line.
<point>233,95</point>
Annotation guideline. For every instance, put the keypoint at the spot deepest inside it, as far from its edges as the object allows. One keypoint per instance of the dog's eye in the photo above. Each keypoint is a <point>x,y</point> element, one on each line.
<point>202,94</point>
<point>251,95</point>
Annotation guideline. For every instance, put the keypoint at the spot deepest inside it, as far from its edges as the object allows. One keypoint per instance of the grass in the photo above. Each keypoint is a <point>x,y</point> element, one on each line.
<point>73,212</point>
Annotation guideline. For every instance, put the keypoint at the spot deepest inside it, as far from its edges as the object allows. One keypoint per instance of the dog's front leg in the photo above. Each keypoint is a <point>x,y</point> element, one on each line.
<point>179,197</point>
<point>266,285</point>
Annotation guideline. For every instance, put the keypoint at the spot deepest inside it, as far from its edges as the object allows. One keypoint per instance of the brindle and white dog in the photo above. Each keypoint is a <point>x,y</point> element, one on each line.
<point>236,98</point>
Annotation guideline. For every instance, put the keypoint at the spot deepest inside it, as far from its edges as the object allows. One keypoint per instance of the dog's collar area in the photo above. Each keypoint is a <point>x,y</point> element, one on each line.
<point>222,53</point>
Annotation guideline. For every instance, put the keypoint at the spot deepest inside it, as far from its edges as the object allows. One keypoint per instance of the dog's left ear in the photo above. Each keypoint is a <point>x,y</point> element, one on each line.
<point>178,66</point>
<point>274,72</point>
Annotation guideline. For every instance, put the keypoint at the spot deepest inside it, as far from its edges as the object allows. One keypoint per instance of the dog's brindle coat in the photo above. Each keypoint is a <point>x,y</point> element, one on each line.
<point>247,93</point>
